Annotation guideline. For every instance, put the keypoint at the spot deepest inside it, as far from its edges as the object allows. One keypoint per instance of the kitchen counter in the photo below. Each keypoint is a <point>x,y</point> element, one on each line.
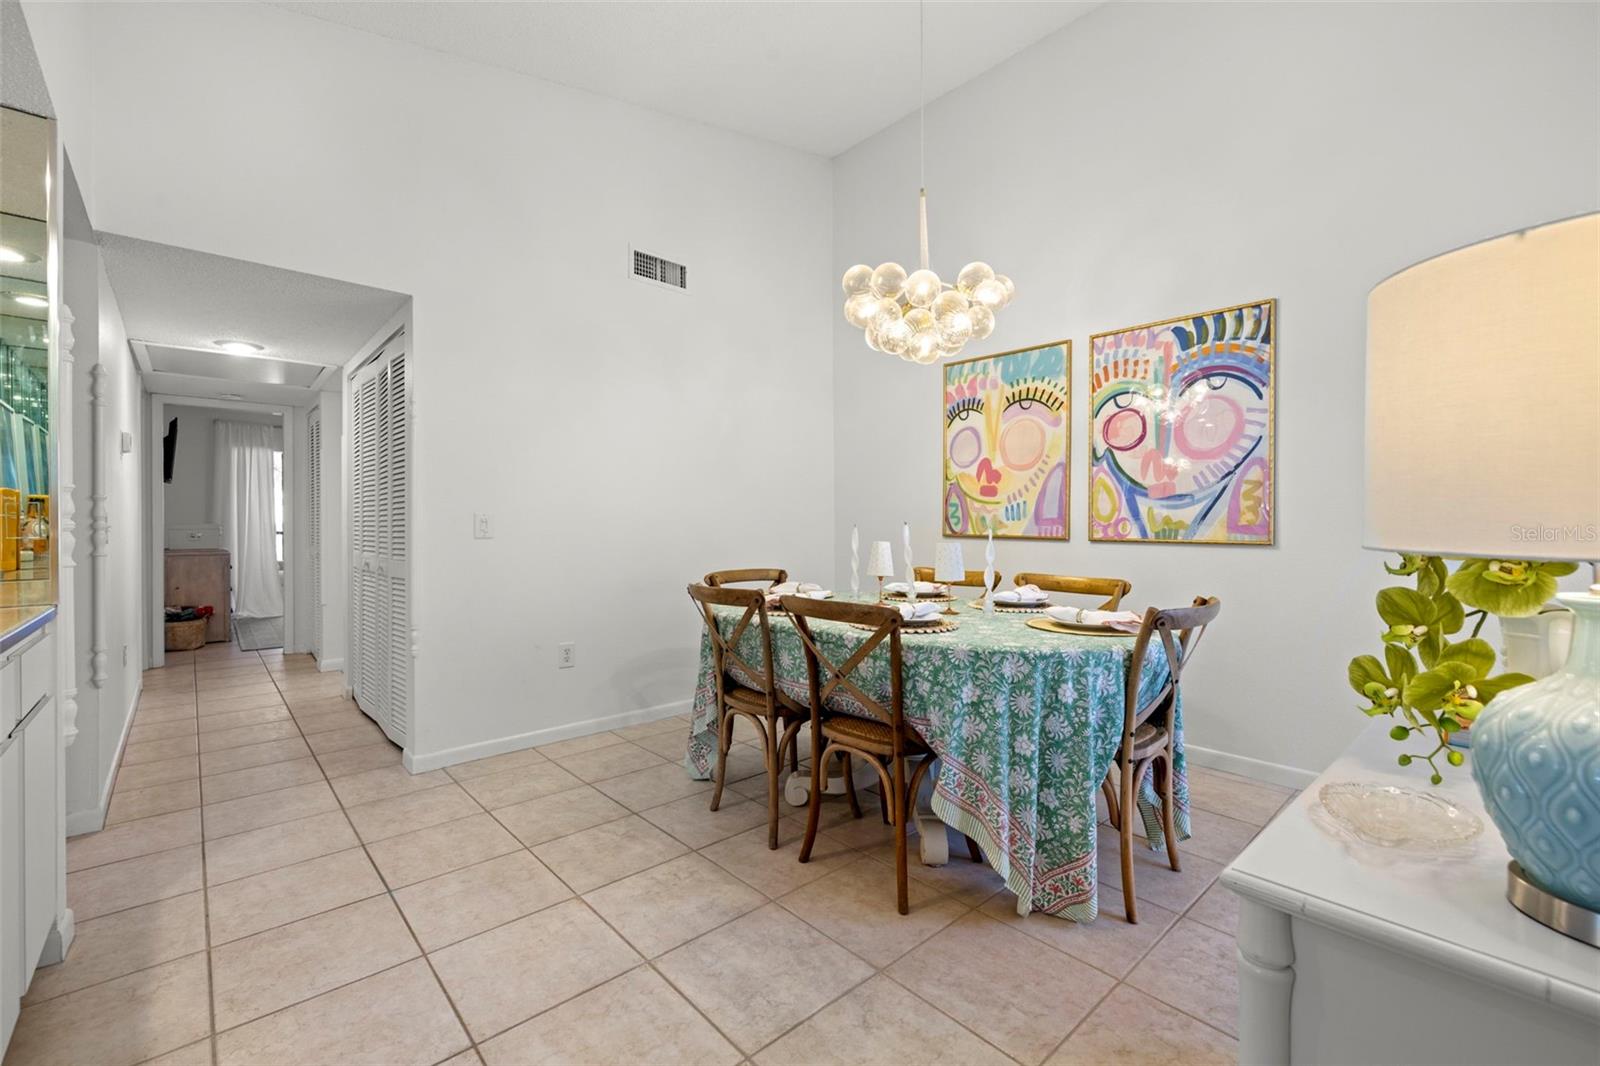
<point>19,623</point>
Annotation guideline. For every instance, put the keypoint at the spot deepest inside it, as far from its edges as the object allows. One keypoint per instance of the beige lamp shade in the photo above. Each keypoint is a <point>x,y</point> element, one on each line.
<point>880,560</point>
<point>947,563</point>
<point>1483,399</point>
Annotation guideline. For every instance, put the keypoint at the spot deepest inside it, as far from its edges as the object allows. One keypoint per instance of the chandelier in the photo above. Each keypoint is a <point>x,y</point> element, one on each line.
<point>917,316</point>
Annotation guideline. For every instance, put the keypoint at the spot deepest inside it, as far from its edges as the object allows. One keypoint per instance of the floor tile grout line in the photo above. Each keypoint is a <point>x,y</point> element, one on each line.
<point>389,893</point>
<point>934,1006</point>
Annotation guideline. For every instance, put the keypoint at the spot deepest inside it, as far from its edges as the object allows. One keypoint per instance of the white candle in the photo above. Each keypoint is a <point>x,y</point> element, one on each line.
<point>911,575</point>
<point>855,563</point>
<point>988,573</point>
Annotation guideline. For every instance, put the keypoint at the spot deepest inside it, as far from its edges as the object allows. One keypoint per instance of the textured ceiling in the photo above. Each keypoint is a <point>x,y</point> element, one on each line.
<point>24,156</point>
<point>814,75</point>
<point>176,297</point>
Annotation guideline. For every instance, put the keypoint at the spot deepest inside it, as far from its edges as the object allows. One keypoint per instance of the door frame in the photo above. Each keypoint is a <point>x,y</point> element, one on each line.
<point>295,537</point>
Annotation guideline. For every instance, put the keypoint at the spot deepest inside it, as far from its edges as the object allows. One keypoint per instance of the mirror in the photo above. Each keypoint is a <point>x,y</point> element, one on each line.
<point>26,143</point>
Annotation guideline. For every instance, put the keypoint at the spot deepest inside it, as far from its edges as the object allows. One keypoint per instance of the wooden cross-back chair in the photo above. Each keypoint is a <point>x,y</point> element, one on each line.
<point>749,689</point>
<point>972,579</point>
<point>1147,735</point>
<point>1112,588</point>
<point>771,575</point>
<point>886,743</point>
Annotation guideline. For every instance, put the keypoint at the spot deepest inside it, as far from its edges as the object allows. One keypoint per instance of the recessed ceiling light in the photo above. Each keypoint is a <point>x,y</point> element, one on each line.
<point>239,347</point>
<point>29,299</point>
<point>230,396</point>
<point>11,255</point>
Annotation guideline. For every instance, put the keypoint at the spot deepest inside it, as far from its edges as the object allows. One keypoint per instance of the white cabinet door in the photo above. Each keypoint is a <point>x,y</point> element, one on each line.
<point>11,900</point>
<point>38,742</point>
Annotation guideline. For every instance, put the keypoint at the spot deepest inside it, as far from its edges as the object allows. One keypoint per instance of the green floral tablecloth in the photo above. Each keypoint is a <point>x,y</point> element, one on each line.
<point>1025,724</point>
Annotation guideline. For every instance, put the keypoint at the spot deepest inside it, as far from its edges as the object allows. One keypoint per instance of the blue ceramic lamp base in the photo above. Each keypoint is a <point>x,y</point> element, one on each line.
<point>1536,759</point>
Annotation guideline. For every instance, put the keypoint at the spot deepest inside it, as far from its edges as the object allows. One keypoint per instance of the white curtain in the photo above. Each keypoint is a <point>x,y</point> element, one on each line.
<point>244,501</point>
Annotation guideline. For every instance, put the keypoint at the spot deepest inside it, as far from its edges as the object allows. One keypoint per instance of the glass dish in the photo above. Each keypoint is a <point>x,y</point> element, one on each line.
<point>1400,819</point>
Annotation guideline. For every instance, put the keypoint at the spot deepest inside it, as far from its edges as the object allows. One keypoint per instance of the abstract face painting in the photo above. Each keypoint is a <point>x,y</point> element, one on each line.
<point>1182,423</point>
<point>1005,444</point>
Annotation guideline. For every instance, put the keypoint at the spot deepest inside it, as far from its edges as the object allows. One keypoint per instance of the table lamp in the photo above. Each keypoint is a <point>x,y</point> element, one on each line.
<point>947,566</point>
<point>1483,441</point>
<point>880,563</point>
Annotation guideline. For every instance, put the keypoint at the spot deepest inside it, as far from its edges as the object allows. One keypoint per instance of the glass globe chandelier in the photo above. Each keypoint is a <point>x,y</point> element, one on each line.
<point>917,316</point>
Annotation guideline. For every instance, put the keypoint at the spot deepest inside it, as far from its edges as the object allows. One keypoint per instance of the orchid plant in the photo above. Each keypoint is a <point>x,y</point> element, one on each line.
<point>1436,684</point>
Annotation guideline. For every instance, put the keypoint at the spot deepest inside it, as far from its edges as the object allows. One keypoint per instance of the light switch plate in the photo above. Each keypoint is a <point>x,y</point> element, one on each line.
<point>481,527</point>
<point>127,442</point>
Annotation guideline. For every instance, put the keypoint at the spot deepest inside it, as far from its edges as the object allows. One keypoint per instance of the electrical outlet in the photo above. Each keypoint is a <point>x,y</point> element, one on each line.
<point>481,529</point>
<point>566,656</point>
<point>124,655</point>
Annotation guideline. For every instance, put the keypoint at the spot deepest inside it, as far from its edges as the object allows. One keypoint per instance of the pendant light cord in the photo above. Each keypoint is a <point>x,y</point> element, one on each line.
<point>922,135</point>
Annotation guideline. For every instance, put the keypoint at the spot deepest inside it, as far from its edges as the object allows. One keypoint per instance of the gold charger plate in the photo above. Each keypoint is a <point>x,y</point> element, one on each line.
<point>949,626</point>
<point>895,597</point>
<point>1050,625</point>
<point>1017,608</point>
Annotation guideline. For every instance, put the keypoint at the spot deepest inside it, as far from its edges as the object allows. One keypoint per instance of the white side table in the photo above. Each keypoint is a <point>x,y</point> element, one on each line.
<point>1348,955</point>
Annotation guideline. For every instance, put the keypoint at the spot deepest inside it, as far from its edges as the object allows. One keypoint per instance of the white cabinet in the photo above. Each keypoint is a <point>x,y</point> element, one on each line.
<point>1354,955</point>
<point>32,906</point>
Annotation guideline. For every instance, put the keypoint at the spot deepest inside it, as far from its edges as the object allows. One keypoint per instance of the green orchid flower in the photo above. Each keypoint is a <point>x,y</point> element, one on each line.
<point>1511,588</point>
<point>1409,564</point>
<point>1461,706</point>
<point>1405,634</point>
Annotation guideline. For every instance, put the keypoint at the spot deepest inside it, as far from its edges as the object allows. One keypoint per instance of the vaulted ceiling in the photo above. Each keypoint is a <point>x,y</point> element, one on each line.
<point>814,75</point>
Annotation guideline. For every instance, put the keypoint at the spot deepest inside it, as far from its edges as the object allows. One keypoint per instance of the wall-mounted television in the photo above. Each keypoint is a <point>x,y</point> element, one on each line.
<point>169,449</point>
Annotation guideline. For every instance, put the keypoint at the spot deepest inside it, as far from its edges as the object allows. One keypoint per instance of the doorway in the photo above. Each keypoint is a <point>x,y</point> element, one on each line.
<point>225,529</point>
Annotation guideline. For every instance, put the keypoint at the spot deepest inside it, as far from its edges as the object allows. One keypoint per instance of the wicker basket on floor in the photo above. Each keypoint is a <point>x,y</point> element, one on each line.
<point>186,636</point>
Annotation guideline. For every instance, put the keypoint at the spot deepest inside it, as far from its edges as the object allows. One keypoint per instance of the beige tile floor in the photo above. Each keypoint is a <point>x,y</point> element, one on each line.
<point>272,887</point>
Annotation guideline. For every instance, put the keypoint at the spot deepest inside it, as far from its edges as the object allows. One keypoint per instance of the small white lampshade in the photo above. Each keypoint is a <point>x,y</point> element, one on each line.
<point>947,564</point>
<point>880,560</point>
<point>1483,387</point>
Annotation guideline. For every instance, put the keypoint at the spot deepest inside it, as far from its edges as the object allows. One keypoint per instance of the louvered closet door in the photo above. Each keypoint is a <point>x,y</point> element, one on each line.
<point>380,646</point>
<point>314,513</point>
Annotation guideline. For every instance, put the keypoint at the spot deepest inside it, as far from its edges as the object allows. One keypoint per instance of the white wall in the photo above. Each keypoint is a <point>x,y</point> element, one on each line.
<point>1154,160</point>
<point>617,433</point>
<point>105,710</point>
<point>191,492</point>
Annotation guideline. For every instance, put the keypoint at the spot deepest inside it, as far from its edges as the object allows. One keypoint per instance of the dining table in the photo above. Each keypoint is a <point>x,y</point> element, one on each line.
<point>1025,724</point>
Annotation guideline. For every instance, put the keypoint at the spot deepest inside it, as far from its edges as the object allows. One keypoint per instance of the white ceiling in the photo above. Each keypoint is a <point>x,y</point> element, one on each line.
<point>174,298</point>
<point>815,75</point>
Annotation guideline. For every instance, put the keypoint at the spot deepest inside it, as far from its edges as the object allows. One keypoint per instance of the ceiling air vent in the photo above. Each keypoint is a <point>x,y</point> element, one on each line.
<point>647,267</point>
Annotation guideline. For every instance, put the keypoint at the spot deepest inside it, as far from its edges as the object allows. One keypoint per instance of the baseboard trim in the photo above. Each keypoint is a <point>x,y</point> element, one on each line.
<point>422,763</point>
<point>94,819</point>
<point>330,666</point>
<point>1244,766</point>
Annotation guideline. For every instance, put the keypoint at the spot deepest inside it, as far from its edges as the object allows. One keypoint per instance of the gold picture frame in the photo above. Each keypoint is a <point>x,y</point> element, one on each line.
<point>1215,454</point>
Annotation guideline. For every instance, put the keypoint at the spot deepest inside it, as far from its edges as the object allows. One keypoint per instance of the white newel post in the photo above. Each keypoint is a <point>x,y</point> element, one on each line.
<point>1266,983</point>
<point>99,526</point>
<point>66,538</point>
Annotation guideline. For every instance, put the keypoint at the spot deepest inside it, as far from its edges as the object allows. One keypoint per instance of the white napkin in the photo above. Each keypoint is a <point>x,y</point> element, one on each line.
<point>797,588</point>
<point>1029,594</point>
<point>1125,621</point>
<point>924,588</point>
<point>919,612</point>
<point>794,588</point>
